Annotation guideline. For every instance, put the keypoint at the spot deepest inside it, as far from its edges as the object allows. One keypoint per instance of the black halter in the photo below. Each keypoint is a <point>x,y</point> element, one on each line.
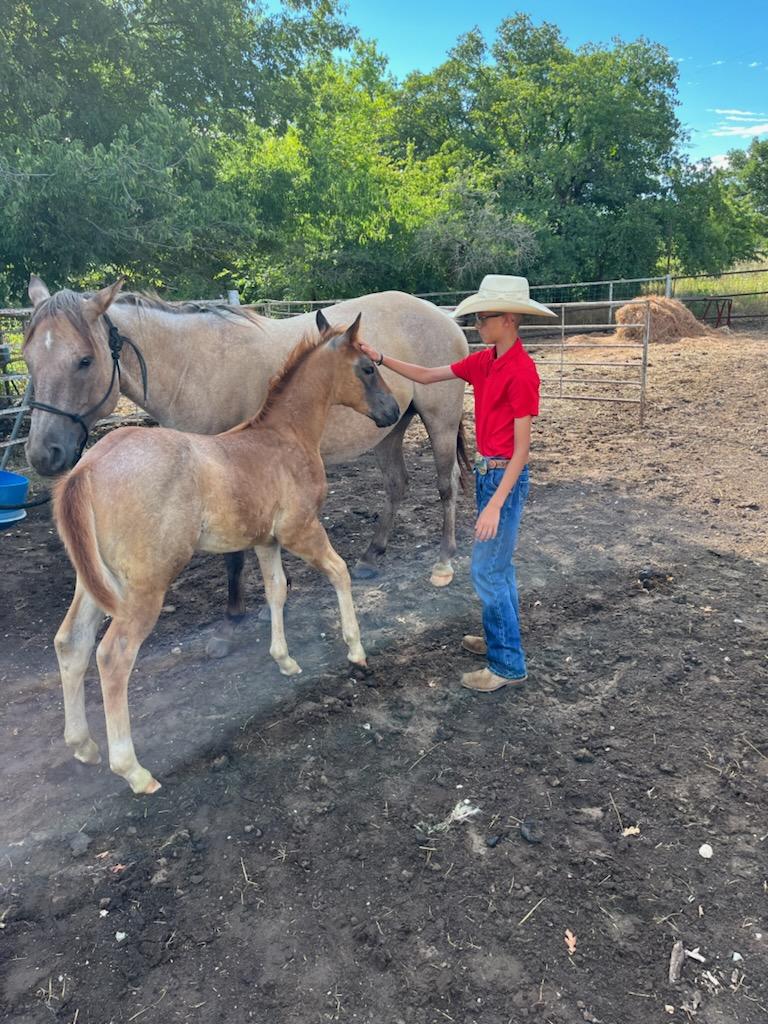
<point>116,342</point>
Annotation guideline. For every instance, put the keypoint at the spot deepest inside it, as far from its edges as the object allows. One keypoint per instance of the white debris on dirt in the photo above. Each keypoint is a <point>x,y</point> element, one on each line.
<point>462,811</point>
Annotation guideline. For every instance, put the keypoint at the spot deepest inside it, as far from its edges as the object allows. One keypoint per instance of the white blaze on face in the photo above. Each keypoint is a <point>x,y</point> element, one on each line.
<point>48,340</point>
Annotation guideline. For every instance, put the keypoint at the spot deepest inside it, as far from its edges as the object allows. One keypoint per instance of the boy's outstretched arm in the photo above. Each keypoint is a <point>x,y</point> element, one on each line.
<point>414,372</point>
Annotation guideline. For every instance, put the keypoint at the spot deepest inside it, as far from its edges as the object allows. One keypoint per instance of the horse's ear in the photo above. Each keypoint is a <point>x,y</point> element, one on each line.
<point>102,300</point>
<point>38,290</point>
<point>322,324</point>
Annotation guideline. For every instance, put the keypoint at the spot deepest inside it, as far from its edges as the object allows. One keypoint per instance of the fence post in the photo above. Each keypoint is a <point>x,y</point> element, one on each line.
<point>610,299</point>
<point>668,286</point>
<point>233,297</point>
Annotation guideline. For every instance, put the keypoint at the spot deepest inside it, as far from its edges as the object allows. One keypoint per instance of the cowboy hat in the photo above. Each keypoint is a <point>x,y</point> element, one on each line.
<point>499,293</point>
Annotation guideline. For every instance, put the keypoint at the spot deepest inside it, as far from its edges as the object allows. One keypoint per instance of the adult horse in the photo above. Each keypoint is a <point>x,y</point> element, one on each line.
<point>142,501</point>
<point>206,368</point>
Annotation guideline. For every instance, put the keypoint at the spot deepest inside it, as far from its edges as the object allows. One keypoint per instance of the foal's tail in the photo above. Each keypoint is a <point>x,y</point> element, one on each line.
<point>73,513</point>
<point>462,457</point>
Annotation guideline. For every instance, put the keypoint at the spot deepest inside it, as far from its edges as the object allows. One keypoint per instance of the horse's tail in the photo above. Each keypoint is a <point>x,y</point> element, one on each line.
<point>462,456</point>
<point>73,514</point>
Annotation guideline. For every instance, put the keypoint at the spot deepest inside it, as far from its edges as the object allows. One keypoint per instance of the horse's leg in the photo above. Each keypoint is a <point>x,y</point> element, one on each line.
<point>276,589</point>
<point>220,645</point>
<point>74,644</point>
<point>115,656</point>
<point>311,543</point>
<point>443,438</point>
<point>389,456</point>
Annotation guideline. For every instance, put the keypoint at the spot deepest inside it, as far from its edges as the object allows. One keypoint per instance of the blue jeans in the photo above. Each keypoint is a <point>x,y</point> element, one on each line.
<point>493,576</point>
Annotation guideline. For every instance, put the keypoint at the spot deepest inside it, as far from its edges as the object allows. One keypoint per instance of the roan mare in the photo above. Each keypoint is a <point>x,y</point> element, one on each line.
<point>207,369</point>
<point>143,500</point>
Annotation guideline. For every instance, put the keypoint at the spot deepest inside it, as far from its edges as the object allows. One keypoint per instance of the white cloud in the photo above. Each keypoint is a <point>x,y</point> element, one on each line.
<point>744,131</point>
<point>717,63</point>
<point>721,160</point>
<point>731,110</point>
<point>755,64</point>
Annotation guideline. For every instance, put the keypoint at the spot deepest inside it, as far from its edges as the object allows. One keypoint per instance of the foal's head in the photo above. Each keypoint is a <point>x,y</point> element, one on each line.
<point>357,383</point>
<point>67,353</point>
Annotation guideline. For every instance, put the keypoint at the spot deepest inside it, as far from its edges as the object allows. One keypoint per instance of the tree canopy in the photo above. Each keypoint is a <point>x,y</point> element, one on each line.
<point>196,145</point>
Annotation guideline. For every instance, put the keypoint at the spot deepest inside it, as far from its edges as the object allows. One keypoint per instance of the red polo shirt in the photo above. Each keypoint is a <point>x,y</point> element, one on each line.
<point>506,390</point>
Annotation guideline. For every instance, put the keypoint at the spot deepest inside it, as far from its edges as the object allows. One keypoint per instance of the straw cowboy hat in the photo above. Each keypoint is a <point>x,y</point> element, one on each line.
<point>499,293</point>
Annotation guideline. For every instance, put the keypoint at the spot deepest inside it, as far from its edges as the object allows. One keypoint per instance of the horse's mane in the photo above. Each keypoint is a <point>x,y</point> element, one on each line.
<point>69,304</point>
<point>149,300</point>
<point>296,357</point>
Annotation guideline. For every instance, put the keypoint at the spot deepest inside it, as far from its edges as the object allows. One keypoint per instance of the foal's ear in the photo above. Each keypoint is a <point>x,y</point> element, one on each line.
<point>38,290</point>
<point>102,300</point>
<point>322,324</point>
<point>350,335</point>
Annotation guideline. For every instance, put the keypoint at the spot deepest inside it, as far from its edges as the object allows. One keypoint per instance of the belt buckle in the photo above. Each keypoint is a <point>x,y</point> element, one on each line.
<point>481,465</point>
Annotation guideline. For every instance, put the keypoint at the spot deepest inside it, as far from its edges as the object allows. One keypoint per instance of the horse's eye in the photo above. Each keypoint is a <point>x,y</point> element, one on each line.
<point>368,369</point>
<point>85,362</point>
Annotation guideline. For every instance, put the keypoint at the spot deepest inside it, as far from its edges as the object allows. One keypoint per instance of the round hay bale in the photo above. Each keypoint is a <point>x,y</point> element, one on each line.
<point>670,321</point>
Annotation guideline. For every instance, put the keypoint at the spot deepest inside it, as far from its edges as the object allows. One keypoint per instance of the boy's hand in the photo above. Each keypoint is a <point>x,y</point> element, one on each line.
<point>487,523</point>
<point>368,351</point>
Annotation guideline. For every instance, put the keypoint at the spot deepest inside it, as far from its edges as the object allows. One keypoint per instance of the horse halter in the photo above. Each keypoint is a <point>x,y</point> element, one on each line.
<point>116,342</point>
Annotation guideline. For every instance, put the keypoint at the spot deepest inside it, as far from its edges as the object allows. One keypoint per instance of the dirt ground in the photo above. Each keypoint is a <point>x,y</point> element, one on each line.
<point>297,865</point>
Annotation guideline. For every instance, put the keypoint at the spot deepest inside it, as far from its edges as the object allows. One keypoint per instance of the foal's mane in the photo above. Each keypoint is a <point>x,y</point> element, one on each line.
<point>300,352</point>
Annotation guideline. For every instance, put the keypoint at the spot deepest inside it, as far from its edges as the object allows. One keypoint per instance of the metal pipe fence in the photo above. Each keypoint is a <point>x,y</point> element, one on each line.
<point>585,306</point>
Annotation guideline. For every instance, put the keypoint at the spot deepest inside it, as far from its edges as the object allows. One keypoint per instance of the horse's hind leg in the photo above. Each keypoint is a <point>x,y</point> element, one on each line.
<point>74,644</point>
<point>389,456</point>
<point>276,589</point>
<point>221,644</point>
<point>311,543</point>
<point>443,437</point>
<point>116,655</point>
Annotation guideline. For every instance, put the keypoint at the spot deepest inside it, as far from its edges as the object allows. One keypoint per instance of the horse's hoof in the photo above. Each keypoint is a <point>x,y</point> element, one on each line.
<point>364,571</point>
<point>289,667</point>
<point>442,574</point>
<point>218,646</point>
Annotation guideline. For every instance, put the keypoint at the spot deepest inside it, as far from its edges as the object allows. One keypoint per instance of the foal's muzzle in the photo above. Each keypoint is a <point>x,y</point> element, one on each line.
<point>385,411</point>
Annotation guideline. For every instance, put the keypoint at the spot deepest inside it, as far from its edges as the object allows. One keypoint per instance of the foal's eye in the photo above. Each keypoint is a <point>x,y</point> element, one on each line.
<point>85,362</point>
<point>368,369</point>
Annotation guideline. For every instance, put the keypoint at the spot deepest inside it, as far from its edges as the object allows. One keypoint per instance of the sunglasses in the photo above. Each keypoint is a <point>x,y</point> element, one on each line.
<point>480,318</point>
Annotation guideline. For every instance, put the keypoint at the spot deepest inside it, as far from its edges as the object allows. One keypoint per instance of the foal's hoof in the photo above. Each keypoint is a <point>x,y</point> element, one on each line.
<point>442,574</point>
<point>141,782</point>
<point>219,646</point>
<point>364,571</point>
<point>289,667</point>
<point>88,753</point>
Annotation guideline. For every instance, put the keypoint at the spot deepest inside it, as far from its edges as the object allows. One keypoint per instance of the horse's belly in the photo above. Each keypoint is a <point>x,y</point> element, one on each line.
<point>349,434</point>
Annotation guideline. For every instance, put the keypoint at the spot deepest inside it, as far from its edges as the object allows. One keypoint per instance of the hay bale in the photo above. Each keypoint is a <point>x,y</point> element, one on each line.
<point>670,321</point>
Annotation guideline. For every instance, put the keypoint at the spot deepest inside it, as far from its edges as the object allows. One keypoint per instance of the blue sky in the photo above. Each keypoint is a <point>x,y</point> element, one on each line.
<point>721,48</point>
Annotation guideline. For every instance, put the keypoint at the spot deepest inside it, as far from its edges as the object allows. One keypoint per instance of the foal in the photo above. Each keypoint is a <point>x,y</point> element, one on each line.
<point>139,504</point>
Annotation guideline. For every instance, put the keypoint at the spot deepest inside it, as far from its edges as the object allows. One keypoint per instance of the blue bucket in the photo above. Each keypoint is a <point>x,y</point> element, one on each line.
<point>13,491</point>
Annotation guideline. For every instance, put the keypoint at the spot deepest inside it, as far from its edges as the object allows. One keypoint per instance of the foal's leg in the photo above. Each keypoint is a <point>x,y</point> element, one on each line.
<point>74,644</point>
<point>276,589</point>
<point>389,456</point>
<point>115,656</point>
<point>311,543</point>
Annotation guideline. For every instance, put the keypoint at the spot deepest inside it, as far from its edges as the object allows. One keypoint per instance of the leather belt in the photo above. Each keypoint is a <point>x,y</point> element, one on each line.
<point>482,465</point>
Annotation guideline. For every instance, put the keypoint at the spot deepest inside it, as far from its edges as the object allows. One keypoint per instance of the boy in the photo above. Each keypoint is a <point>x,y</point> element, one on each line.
<point>506,387</point>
